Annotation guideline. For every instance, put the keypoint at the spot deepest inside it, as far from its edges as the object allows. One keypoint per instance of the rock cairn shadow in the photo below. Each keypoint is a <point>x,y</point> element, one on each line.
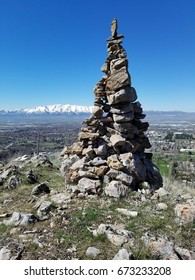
<point>109,154</point>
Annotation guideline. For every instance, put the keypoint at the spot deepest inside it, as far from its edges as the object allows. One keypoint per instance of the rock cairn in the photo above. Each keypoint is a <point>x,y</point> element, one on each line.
<point>110,152</point>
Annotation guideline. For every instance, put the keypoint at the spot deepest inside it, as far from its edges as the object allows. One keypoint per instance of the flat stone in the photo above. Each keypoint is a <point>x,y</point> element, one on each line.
<point>125,95</point>
<point>88,135</point>
<point>98,161</point>
<point>127,212</point>
<point>123,118</point>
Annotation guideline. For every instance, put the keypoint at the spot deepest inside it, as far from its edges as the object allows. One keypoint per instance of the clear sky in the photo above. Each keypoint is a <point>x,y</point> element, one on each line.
<point>51,51</point>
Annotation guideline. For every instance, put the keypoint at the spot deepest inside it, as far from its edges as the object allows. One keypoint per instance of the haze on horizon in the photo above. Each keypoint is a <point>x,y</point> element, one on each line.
<point>51,51</point>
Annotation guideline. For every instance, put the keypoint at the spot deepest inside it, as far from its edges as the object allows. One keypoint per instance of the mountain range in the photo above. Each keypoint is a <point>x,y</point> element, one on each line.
<point>78,110</point>
<point>52,109</point>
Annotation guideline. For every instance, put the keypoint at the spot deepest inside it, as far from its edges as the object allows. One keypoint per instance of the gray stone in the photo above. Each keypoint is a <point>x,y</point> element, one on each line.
<point>92,252</point>
<point>78,164</point>
<point>88,185</point>
<point>20,219</point>
<point>12,251</point>
<point>98,161</point>
<point>161,206</point>
<point>116,234</point>
<point>122,109</point>
<point>101,150</point>
<point>123,118</point>
<point>123,254</point>
<point>44,208</point>
<point>120,176</point>
<point>116,189</point>
<point>13,182</point>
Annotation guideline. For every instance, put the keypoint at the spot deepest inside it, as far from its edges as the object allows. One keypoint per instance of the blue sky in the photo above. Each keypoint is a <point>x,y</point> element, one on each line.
<point>51,51</point>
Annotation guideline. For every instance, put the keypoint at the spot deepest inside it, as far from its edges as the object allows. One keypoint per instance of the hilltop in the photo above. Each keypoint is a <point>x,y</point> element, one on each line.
<point>40,219</point>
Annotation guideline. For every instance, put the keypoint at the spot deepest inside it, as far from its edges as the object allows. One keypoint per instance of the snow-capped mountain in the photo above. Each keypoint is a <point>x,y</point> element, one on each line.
<point>52,109</point>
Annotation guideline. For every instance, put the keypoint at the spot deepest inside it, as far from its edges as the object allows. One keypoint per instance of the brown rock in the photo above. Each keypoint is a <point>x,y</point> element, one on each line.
<point>113,162</point>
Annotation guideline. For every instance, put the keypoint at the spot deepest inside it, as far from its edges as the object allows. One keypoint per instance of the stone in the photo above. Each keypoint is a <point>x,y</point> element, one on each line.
<point>120,176</point>
<point>42,188</point>
<point>137,168</point>
<point>123,254</point>
<point>125,95</point>
<point>101,150</point>
<point>116,189</point>
<point>92,252</point>
<point>127,212</point>
<point>20,219</point>
<point>119,78</point>
<point>12,251</point>
<point>123,118</point>
<point>31,177</point>
<point>121,108</point>
<point>185,212</point>
<point>114,163</point>
<point>116,234</point>
<point>98,161</point>
<point>88,135</point>
<point>98,112</point>
<point>161,192</point>
<point>13,182</point>
<point>78,164</point>
<point>101,170</point>
<point>44,208</point>
<point>87,185</point>
<point>161,206</point>
<point>117,140</point>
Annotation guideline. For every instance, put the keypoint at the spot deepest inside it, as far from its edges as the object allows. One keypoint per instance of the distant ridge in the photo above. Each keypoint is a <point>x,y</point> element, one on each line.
<point>59,109</point>
<point>52,110</point>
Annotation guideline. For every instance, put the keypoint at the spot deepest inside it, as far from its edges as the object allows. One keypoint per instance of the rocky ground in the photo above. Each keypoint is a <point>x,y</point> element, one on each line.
<point>41,219</point>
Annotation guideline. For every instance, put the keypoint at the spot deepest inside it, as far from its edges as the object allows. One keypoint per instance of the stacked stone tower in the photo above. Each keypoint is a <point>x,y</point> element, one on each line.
<point>109,154</point>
